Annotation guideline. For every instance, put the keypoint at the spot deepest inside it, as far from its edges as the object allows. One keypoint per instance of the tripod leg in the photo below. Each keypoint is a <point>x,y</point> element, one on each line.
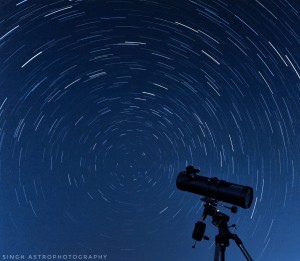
<point>217,251</point>
<point>239,243</point>
<point>223,248</point>
<point>245,252</point>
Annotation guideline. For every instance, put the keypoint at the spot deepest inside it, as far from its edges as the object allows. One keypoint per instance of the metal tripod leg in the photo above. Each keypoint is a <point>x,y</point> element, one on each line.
<point>219,249</point>
<point>239,243</point>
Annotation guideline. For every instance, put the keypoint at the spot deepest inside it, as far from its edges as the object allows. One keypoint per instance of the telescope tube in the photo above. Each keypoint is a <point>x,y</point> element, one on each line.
<point>217,189</point>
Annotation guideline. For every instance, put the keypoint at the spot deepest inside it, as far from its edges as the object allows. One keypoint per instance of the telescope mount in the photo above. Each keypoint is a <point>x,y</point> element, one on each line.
<point>220,220</point>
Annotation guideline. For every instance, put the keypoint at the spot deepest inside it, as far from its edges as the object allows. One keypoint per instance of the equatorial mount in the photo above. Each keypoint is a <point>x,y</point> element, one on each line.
<point>219,220</point>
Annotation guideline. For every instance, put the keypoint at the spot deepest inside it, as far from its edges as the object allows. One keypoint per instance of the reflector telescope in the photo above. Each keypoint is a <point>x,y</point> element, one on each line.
<point>220,190</point>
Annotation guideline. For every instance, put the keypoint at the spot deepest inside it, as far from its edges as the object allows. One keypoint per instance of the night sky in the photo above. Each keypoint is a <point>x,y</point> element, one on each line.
<point>103,103</point>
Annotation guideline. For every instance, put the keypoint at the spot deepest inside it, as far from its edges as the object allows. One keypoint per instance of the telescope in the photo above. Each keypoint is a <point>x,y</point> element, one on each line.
<point>220,190</point>
<point>216,190</point>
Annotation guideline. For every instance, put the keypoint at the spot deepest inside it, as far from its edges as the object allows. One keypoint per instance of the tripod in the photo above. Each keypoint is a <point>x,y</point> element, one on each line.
<point>220,220</point>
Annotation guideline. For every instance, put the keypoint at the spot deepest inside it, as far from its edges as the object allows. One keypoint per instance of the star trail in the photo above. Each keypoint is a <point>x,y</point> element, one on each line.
<point>104,102</point>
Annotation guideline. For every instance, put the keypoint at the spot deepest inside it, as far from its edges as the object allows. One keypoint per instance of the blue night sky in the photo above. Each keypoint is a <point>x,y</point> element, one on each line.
<point>103,103</point>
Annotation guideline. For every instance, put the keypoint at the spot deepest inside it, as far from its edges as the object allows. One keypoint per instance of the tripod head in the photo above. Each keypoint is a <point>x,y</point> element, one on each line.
<point>219,220</point>
<point>210,209</point>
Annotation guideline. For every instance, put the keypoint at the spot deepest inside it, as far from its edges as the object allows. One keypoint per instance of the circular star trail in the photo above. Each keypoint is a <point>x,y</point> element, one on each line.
<point>103,103</point>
